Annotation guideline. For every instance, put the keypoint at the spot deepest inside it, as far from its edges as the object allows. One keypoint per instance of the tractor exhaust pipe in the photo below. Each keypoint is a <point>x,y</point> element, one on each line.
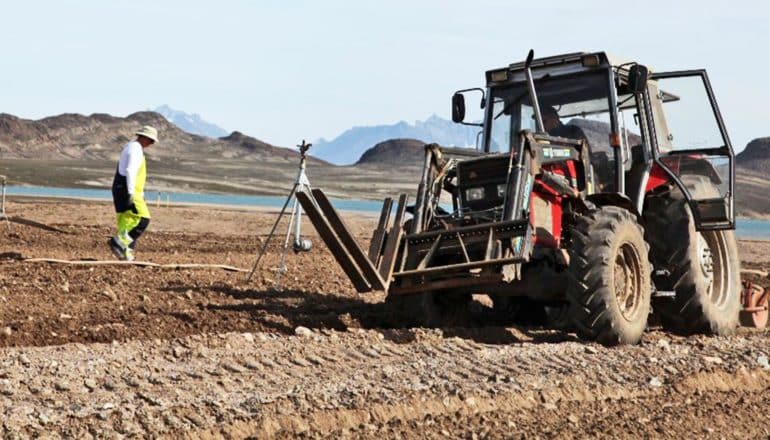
<point>533,92</point>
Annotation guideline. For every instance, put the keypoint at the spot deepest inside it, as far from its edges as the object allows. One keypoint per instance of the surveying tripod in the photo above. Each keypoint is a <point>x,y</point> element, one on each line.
<point>301,184</point>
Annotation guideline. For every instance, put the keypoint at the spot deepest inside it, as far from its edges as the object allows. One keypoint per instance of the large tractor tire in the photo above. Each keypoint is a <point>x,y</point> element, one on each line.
<point>610,289</point>
<point>702,268</point>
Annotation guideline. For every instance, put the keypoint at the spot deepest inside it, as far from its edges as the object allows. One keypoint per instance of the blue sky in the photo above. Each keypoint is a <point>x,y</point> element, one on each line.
<point>287,70</point>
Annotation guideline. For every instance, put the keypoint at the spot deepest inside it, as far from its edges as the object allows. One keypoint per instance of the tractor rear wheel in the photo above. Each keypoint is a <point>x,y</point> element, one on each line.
<point>702,268</point>
<point>610,290</point>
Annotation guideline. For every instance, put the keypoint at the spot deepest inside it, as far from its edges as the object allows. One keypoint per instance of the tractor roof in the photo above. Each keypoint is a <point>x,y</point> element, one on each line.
<point>558,64</point>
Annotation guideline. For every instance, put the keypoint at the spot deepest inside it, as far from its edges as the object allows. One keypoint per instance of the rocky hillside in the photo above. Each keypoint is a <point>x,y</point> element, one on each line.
<point>756,156</point>
<point>752,173</point>
<point>349,146</point>
<point>403,152</point>
<point>100,136</point>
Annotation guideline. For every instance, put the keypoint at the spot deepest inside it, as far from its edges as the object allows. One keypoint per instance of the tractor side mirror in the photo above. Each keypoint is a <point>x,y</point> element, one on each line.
<point>637,78</point>
<point>458,107</point>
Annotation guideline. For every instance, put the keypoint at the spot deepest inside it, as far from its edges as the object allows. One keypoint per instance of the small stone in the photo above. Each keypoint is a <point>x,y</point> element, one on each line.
<point>90,384</point>
<point>591,349</point>
<point>232,367</point>
<point>763,362</point>
<point>712,359</point>
<point>470,401</point>
<point>656,382</point>
<point>188,294</point>
<point>315,359</point>
<point>664,344</point>
<point>573,419</point>
<point>108,406</point>
<point>248,337</point>
<point>110,294</point>
<point>253,365</point>
<point>145,298</point>
<point>65,316</point>
<point>301,362</point>
<point>24,360</point>
<point>303,331</point>
<point>61,386</point>
<point>7,331</point>
<point>65,287</point>
<point>178,351</point>
<point>150,399</point>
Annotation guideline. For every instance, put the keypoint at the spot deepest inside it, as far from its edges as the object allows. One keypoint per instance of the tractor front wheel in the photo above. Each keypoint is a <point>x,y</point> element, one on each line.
<point>610,289</point>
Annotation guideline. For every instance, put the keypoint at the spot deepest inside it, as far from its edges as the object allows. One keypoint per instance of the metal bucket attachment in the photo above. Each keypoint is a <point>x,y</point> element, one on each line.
<point>366,272</point>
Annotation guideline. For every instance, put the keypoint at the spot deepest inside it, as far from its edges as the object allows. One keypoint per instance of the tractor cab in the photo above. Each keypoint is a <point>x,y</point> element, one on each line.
<point>640,128</point>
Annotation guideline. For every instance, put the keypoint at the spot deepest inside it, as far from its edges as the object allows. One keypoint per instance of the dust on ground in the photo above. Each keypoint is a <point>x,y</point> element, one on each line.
<point>115,351</point>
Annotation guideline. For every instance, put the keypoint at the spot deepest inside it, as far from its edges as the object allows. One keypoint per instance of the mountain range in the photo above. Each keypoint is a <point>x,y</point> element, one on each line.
<point>100,136</point>
<point>348,147</point>
<point>191,122</point>
<point>78,150</point>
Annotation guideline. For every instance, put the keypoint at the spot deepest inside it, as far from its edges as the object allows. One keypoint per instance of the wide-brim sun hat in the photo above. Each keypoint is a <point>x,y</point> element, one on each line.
<point>149,132</point>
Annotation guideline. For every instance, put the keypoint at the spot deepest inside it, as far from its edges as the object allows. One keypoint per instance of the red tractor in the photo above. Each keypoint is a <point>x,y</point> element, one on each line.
<point>599,192</point>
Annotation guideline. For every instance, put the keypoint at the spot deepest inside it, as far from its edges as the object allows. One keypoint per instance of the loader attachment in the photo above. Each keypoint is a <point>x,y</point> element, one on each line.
<point>366,272</point>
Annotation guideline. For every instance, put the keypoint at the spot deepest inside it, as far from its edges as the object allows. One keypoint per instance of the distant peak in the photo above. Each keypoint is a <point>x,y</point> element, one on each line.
<point>191,122</point>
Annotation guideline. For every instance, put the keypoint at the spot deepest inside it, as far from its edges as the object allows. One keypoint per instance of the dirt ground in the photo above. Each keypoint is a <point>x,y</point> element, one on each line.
<point>127,351</point>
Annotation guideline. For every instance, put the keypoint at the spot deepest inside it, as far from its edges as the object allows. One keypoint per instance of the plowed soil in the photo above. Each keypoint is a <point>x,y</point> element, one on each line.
<point>129,351</point>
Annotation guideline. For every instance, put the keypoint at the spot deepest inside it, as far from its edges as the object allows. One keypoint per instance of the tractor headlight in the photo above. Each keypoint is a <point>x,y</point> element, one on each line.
<point>473,194</point>
<point>501,190</point>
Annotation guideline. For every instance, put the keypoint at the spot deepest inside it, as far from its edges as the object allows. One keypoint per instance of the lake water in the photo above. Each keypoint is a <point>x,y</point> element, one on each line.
<point>746,228</point>
<point>211,199</point>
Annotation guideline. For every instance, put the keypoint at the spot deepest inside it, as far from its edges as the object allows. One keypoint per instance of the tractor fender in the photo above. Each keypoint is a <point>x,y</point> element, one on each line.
<point>614,199</point>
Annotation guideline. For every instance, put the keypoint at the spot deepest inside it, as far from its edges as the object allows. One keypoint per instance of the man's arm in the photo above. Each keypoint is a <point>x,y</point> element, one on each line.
<point>132,167</point>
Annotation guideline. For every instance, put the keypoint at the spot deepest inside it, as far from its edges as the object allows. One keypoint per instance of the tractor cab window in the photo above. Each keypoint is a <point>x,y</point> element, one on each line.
<point>575,106</point>
<point>691,141</point>
<point>500,132</point>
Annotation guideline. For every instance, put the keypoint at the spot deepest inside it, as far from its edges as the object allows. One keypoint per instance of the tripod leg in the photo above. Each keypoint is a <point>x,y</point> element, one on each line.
<point>272,232</point>
<point>297,224</point>
<point>282,266</point>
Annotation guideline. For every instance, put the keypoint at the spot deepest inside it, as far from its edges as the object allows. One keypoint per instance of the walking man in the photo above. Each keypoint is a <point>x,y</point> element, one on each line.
<point>128,194</point>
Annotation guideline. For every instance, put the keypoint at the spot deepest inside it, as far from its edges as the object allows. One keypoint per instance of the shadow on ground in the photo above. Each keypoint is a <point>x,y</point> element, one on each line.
<point>282,311</point>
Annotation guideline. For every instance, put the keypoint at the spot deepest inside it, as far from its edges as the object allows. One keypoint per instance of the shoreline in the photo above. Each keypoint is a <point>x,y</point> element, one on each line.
<point>152,205</point>
<point>260,208</point>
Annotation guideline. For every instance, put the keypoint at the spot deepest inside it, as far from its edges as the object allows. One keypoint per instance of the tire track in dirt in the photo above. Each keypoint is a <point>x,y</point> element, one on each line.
<point>266,385</point>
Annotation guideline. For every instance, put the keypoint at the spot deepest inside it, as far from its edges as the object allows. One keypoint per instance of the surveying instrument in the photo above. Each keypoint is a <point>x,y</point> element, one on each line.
<point>299,244</point>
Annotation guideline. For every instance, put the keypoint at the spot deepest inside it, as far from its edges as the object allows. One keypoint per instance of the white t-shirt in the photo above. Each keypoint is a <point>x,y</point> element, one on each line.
<point>130,161</point>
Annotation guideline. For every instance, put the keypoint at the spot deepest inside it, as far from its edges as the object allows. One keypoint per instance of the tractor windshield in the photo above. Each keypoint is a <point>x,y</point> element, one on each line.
<point>576,106</point>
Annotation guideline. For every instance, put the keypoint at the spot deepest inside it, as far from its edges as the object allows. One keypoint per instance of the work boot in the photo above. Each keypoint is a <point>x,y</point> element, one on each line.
<point>117,248</point>
<point>129,254</point>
